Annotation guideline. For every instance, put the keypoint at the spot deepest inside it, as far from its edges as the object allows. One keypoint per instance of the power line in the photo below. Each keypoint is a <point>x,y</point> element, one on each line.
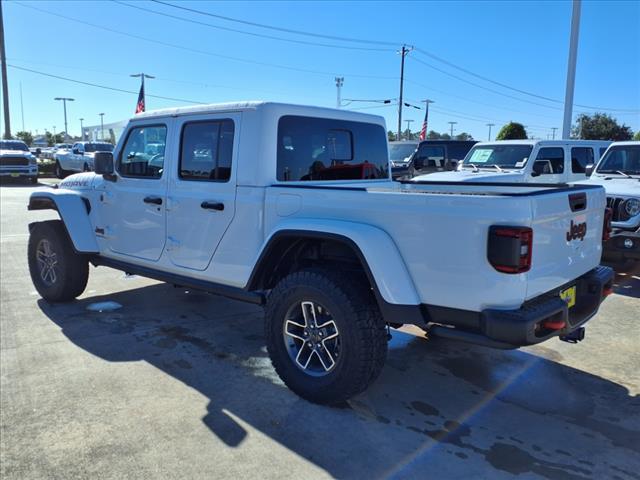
<point>89,84</point>
<point>503,85</point>
<point>279,29</point>
<point>253,34</point>
<point>202,52</point>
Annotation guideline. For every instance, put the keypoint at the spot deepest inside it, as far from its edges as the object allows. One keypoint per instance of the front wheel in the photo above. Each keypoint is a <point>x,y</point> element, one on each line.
<point>57,271</point>
<point>325,335</point>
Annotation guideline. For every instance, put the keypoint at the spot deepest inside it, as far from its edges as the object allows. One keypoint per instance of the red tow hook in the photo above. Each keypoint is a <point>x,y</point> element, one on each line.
<point>554,324</point>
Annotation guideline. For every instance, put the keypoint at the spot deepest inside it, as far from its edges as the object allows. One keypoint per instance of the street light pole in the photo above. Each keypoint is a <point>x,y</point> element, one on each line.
<point>101,126</point>
<point>409,125</point>
<point>452,124</point>
<point>64,103</point>
<point>554,132</point>
<point>5,81</point>
<point>339,83</point>
<point>571,69</point>
<point>81,129</point>
<point>490,125</point>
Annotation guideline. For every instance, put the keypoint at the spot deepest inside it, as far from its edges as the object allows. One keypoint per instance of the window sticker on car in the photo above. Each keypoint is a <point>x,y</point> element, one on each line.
<point>480,156</point>
<point>521,164</point>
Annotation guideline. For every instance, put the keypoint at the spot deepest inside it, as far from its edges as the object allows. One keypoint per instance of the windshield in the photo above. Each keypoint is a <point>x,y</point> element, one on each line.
<point>13,145</point>
<point>400,152</point>
<point>622,158</point>
<point>98,147</point>
<point>504,156</point>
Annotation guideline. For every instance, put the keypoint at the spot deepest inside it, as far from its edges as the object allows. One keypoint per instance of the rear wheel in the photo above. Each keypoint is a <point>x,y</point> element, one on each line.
<point>325,335</point>
<point>57,271</point>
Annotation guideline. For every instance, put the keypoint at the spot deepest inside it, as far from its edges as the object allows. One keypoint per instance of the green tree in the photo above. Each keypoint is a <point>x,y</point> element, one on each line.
<point>433,135</point>
<point>26,137</point>
<point>600,126</point>
<point>391,136</point>
<point>445,136</point>
<point>463,136</point>
<point>637,136</point>
<point>53,139</point>
<point>512,131</point>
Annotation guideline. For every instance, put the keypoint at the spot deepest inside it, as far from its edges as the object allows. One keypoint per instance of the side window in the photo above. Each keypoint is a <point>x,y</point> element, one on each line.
<point>206,151</point>
<point>549,161</point>
<point>430,156</point>
<point>580,158</point>
<point>328,149</point>
<point>143,152</point>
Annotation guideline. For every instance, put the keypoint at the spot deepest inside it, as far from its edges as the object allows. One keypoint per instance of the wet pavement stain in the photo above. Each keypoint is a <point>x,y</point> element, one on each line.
<point>425,408</point>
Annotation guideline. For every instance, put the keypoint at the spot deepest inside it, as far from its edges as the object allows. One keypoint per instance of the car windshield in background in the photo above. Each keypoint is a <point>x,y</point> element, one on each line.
<point>98,147</point>
<point>399,152</point>
<point>622,159</point>
<point>13,145</point>
<point>503,156</point>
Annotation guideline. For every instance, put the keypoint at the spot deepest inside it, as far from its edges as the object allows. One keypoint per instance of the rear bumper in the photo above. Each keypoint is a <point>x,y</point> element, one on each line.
<point>622,245</point>
<point>537,320</point>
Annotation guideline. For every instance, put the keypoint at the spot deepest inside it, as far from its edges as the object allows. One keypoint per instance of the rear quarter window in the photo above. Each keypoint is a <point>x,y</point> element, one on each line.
<point>325,149</point>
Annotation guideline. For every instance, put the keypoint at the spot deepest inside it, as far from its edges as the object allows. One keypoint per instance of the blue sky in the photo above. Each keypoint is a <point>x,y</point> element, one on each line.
<point>523,45</point>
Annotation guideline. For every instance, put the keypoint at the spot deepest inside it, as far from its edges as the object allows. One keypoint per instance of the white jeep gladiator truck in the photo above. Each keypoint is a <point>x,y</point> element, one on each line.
<point>619,173</point>
<point>293,207</point>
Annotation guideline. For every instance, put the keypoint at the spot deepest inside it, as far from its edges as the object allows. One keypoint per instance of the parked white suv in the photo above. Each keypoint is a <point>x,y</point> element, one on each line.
<point>525,161</point>
<point>293,207</point>
<point>619,173</point>
<point>80,158</point>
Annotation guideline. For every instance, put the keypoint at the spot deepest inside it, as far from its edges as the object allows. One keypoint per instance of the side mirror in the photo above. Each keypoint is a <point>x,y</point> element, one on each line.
<point>75,151</point>
<point>103,165</point>
<point>588,170</point>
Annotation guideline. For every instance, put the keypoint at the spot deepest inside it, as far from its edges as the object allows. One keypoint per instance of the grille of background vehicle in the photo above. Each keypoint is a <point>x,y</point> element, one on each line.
<point>13,161</point>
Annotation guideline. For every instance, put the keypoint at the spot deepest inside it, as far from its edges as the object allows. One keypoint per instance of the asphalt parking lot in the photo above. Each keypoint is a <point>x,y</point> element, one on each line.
<point>177,384</point>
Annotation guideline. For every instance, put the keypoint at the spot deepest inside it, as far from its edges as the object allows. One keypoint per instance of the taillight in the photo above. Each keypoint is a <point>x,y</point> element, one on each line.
<point>606,228</point>
<point>509,248</point>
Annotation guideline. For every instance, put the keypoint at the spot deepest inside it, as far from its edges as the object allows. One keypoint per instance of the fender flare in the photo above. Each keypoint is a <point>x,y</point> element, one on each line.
<point>74,213</point>
<point>375,249</point>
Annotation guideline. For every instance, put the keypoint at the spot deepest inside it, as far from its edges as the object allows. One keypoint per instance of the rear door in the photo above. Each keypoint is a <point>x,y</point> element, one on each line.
<point>567,236</point>
<point>202,197</point>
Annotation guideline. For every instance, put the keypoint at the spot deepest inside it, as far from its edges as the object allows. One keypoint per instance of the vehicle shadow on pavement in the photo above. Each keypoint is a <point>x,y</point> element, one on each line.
<point>446,407</point>
<point>627,283</point>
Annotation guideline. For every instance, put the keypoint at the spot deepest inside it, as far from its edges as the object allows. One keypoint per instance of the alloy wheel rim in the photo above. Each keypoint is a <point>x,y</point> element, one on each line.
<point>47,262</point>
<point>311,338</point>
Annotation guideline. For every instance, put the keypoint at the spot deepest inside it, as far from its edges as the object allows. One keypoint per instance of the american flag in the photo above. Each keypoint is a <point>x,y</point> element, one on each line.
<point>140,104</point>
<point>423,132</point>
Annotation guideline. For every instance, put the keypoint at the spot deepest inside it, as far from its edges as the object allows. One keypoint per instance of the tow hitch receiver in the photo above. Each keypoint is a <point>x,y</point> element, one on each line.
<point>574,337</point>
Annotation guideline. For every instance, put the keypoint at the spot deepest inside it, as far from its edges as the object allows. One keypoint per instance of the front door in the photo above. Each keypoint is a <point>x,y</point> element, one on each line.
<point>134,206</point>
<point>550,165</point>
<point>202,197</point>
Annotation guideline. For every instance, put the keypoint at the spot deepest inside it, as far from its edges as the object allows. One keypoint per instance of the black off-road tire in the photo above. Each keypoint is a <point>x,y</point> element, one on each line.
<point>59,171</point>
<point>71,268</point>
<point>354,310</point>
<point>33,180</point>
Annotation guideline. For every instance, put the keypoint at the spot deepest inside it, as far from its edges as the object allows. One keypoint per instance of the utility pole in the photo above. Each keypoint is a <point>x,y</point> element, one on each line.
<point>102,126</point>
<point>490,125</point>
<point>81,129</point>
<point>64,103</point>
<point>452,124</point>
<point>403,53</point>
<point>554,132</point>
<point>339,83</point>
<point>571,69</point>
<point>409,127</point>
<point>142,77</point>
<point>5,82</point>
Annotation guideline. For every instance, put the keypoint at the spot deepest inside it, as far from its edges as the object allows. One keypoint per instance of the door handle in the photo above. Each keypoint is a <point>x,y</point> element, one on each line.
<point>154,200</point>
<point>212,205</point>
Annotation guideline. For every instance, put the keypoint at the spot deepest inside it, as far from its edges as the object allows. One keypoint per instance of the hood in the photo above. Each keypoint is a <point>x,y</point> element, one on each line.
<point>15,153</point>
<point>79,181</point>
<point>618,185</point>
<point>469,175</point>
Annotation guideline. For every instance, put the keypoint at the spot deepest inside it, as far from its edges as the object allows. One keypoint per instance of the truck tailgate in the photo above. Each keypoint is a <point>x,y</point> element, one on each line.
<point>567,237</point>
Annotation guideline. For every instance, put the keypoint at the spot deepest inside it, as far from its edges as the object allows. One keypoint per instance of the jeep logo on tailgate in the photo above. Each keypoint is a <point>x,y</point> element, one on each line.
<point>577,230</point>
